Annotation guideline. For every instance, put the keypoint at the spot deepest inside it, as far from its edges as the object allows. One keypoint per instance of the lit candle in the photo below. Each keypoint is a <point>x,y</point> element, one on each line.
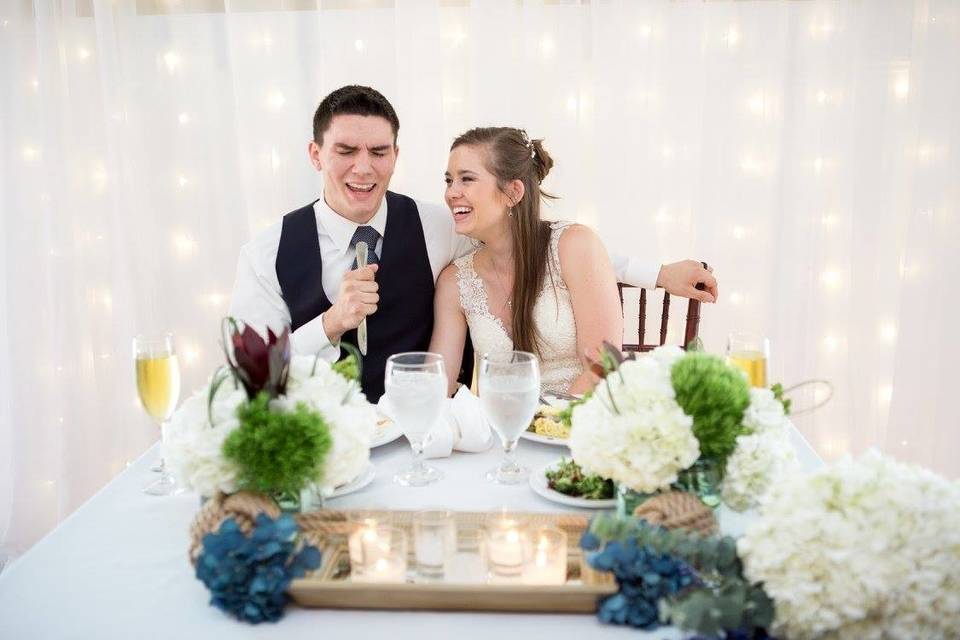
<point>385,570</point>
<point>505,549</point>
<point>546,561</point>
<point>382,555</point>
<point>367,529</point>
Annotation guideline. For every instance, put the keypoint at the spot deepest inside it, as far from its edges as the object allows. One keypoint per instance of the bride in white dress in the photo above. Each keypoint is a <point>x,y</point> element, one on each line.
<point>547,288</point>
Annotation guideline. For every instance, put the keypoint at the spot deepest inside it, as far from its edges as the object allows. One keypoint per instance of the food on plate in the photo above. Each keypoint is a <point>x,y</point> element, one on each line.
<point>547,422</point>
<point>569,479</point>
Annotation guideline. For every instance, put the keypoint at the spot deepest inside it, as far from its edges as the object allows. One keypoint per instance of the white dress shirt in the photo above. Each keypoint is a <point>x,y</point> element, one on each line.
<point>257,299</point>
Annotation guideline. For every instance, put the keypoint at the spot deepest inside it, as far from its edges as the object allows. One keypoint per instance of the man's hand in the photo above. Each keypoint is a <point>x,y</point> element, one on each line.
<point>356,300</point>
<point>681,279</point>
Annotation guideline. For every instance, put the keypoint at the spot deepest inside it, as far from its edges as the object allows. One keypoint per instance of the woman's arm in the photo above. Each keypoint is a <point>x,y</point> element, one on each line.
<point>586,269</point>
<point>449,325</point>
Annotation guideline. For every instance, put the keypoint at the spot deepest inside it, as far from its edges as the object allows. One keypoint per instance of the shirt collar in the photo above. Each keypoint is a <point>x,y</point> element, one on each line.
<point>340,229</point>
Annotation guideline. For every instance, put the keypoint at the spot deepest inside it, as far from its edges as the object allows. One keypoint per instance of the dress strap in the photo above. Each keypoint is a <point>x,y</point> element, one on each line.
<point>556,230</point>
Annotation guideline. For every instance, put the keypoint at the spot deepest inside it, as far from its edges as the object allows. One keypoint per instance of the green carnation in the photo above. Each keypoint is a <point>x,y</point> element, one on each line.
<point>278,451</point>
<point>715,395</point>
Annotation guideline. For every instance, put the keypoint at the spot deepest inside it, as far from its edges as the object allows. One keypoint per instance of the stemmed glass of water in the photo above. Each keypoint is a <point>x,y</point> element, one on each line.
<point>509,386</point>
<point>416,386</point>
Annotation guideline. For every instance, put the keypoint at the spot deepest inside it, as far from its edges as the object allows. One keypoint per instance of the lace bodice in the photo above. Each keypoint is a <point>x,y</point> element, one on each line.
<point>552,313</point>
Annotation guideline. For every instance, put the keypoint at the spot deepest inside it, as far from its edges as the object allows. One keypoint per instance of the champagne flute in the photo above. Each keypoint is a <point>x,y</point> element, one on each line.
<point>158,385</point>
<point>509,394</point>
<point>416,385</point>
<point>749,352</point>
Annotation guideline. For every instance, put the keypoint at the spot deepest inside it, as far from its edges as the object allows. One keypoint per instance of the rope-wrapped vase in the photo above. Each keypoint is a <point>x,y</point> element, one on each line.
<point>678,510</point>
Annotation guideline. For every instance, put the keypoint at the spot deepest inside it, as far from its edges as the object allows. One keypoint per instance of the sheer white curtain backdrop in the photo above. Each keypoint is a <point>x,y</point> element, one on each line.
<point>810,151</point>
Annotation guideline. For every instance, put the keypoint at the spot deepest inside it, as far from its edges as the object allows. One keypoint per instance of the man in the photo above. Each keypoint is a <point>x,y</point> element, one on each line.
<point>302,271</point>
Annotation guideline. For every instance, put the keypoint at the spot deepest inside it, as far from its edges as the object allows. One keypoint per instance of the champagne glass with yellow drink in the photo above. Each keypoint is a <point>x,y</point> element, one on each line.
<point>158,385</point>
<point>749,352</point>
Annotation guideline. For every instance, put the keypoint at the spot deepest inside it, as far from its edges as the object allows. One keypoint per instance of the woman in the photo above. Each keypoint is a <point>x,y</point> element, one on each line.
<point>547,288</point>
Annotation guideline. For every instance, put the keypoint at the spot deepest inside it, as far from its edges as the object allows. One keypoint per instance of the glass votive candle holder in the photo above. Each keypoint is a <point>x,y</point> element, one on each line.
<point>361,522</point>
<point>383,555</point>
<point>434,542</point>
<point>545,556</point>
<point>504,547</point>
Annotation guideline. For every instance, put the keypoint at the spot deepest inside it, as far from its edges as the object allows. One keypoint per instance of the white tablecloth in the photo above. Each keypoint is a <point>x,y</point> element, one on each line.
<point>118,568</point>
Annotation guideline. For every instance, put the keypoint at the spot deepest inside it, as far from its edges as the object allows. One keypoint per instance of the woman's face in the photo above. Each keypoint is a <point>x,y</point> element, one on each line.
<point>478,206</point>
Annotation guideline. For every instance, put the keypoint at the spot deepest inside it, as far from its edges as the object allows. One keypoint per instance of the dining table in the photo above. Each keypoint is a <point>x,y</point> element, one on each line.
<point>117,567</point>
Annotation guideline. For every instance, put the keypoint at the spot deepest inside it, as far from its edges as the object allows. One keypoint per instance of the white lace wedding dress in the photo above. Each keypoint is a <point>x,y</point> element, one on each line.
<point>552,313</point>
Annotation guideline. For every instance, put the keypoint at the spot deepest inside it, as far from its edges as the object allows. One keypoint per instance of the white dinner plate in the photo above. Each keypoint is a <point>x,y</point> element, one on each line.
<point>536,437</point>
<point>538,482</point>
<point>385,433</point>
<point>362,480</point>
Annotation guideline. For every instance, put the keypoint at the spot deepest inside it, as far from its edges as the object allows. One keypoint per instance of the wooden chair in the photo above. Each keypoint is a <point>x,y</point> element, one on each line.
<point>689,334</point>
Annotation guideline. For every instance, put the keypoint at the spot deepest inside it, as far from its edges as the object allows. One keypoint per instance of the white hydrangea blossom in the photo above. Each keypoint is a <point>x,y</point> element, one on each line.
<point>765,412</point>
<point>352,423</point>
<point>760,460</point>
<point>194,448</point>
<point>763,456</point>
<point>639,437</point>
<point>866,549</point>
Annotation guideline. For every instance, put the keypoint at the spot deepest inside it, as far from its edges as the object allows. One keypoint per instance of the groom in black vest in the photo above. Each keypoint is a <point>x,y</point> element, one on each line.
<point>302,272</point>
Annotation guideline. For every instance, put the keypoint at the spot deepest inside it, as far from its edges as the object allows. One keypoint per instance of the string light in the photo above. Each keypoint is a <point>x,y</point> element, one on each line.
<point>99,178</point>
<point>216,299</point>
<point>645,31</point>
<point>83,53</point>
<point>738,232</point>
<point>358,45</point>
<point>276,100</point>
<point>182,181</point>
<point>274,159</point>
<point>831,278</point>
<point>732,37</point>
<point>888,331</point>
<point>757,104</point>
<point>829,220</point>
<point>662,216</point>
<point>35,84</point>
<point>572,103</point>
<point>546,46</point>
<point>901,84</point>
<point>457,36</point>
<point>667,152</point>
<point>736,298</point>
<point>822,29</point>
<point>831,343</point>
<point>818,165</point>
<point>183,118</point>
<point>184,244</point>
<point>884,395</point>
<point>172,60</point>
<point>30,153</point>
<point>190,354</point>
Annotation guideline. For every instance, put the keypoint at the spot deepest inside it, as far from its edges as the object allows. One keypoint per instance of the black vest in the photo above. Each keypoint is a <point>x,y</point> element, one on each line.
<point>404,317</point>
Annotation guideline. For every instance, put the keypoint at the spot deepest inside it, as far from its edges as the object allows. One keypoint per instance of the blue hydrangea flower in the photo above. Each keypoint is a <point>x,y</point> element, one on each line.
<point>248,576</point>
<point>644,577</point>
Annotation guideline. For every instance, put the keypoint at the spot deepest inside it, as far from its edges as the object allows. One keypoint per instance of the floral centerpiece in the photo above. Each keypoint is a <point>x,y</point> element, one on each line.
<point>270,422</point>
<point>868,548</point>
<point>682,419</point>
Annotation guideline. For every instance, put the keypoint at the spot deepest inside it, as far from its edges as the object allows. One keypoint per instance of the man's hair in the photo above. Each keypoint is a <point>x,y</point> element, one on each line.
<point>354,100</point>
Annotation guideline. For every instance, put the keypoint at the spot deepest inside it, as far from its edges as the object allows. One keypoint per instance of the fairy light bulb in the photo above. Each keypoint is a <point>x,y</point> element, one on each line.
<point>547,46</point>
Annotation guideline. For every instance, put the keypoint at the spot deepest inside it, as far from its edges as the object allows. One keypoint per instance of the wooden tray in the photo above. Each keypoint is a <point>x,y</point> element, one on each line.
<point>330,586</point>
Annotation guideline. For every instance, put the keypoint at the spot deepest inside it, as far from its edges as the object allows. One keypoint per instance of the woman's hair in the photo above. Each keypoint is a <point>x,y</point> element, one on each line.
<point>510,155</point>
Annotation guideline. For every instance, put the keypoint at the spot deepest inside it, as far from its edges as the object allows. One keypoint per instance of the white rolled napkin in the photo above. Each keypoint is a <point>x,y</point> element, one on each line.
<point>461,426</point>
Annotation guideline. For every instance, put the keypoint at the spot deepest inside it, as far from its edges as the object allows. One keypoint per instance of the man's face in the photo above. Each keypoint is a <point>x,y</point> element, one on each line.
<point>357,158</point>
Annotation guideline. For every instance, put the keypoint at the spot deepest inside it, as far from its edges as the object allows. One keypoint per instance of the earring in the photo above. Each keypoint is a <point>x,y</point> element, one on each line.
<point>511,212</point>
